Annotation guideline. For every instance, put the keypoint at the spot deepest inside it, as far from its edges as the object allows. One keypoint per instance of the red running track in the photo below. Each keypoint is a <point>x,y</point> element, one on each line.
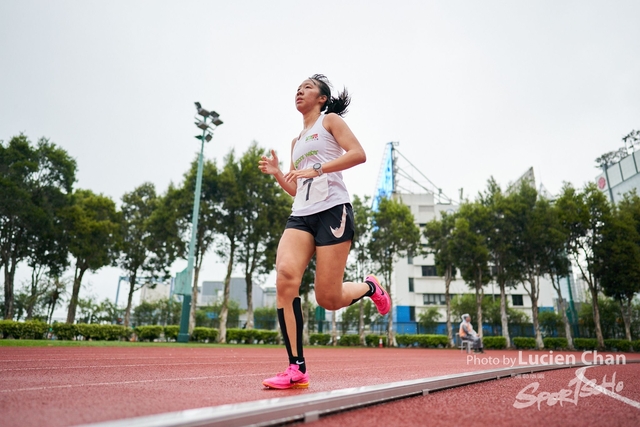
<point>515,402</point>
<point>65,386</point>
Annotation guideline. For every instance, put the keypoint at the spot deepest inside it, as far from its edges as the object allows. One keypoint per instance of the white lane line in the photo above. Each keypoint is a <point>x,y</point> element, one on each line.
<point>581,377</point>
<point>118,383</point>
<point>48,368</point>
<point>75,359</point>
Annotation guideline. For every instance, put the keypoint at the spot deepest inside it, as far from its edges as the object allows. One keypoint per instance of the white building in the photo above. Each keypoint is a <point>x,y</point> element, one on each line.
<point>416,285</point>
<point>212,293</point>
<point>155,293</point>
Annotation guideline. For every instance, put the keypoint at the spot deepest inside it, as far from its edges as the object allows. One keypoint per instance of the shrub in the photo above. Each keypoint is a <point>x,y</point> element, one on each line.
<point>64,331</point>
<point>127,333</point>
<point>421,340</point>
<point>9,328</point>
<point>406,340</point>
<point>585,343</point>
<point>88,331</point>
<point>268,337</point>
<point>235,335</point>
<point>617,345</point>
<point>635,345</point>
<point>349,340</point>
<point>202,334</point>
<point>265,317</point>
<point>29,330</point>
<point>433,341</point>
<point>319,339</point>
<point>251,336</point>
<point>148,332</point>
<point>555,343</point>
<point>524,342</point>
<point>373,340</point>
<point>494,342</point>
<point>116,332</point>
<point>171,332</point>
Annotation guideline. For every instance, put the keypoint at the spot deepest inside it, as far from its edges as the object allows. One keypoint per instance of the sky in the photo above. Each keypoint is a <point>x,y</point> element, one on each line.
<point>468,89</point>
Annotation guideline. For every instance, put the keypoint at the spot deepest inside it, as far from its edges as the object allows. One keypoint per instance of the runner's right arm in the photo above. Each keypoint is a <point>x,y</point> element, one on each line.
<point>271,166</point>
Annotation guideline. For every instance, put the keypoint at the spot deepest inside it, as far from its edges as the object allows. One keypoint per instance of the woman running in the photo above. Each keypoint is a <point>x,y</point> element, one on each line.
<point>321,220</point>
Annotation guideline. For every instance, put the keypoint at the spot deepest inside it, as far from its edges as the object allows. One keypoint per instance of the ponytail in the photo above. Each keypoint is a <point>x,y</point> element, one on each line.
<point>340,104</point>
<point>337,105</point>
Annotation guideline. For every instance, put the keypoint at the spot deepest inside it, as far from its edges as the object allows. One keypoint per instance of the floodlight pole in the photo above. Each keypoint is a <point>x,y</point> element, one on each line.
<point>183,335</point>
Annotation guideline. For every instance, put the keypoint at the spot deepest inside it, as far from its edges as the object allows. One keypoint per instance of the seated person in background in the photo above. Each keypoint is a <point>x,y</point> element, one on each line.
<point>467,333</point>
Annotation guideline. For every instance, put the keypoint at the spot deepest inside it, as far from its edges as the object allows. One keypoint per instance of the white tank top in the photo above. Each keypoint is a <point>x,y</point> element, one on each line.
<point>319,193</point>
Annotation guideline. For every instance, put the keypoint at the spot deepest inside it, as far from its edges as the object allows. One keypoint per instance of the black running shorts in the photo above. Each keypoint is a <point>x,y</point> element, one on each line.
<point>335,225</point>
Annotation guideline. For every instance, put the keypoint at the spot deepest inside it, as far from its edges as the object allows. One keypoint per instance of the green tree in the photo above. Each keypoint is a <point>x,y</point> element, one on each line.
<point>20,304</point>
<point>394,234</point>
<point>146,313</point>
<point>57,292</point>
<point>48,250</point>
<point>559,269</point>
<point>306,286</point>
<point>106,311</point>
<point>264,209</point>
<point>534,235</point>
<point>556,263</point>
<point>462,304</point>
<point>265,317</point>
<point>618,266</point>
<point>210,316</point>
<point>179,201</point>
<point>93,226</point>
<point>610,315</point>
<point>87,310</point>
<point>429,318</point>
<point>359,249</point>
<point>500,209</point>
<point>230,227</point>
<point>145,251</point>
<point>491,309</point>
<point>583,216</point>
<point>170,310</point>
<point>37,289</point>
<point>49,239</point>
<point>35,182</point>
<point>550,322</point>
<point>439,236</point>
<point>351,316</point>
<point>470,252</point>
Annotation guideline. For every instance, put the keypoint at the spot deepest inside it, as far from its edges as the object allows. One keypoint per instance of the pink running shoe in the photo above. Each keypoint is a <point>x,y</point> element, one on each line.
<point>380,298</point>
<point>291,378</point>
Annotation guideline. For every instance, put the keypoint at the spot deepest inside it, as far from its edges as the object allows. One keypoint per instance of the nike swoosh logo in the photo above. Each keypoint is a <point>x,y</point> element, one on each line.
<point>338,232</point>
<point>299,363</point>
<point>379,286</point>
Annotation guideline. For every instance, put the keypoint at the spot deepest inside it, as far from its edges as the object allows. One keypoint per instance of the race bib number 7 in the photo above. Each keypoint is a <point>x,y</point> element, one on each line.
<point>311,190</point>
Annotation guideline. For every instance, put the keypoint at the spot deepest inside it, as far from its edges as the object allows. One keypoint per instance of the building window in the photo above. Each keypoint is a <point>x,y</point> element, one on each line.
<point>429,271</point>
<point>433,299</point>
<point>517,300</point>
<point>409,257</point>
<point>412,314</point>
<point>411,284</point>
